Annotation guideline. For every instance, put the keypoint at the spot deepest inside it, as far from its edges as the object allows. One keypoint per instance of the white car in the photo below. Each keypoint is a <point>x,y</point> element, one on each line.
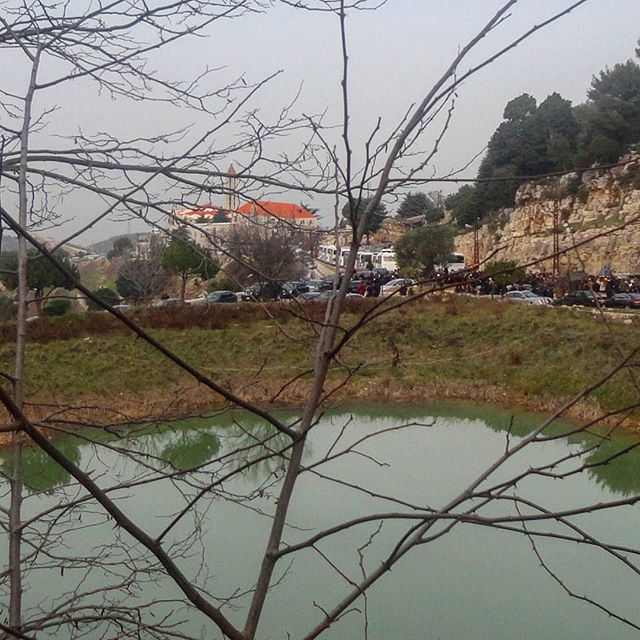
<point>527,297</point>
<point>393,286</point>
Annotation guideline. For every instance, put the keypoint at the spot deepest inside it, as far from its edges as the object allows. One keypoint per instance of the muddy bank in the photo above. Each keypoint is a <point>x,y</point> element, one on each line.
<point>187,401</point>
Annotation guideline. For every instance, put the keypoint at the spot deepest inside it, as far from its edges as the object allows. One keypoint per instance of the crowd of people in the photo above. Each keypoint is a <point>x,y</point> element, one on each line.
<point>542,283</point>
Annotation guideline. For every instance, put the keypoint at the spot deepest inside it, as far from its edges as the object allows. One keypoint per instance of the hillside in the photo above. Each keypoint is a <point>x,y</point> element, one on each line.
<point>599,211</point>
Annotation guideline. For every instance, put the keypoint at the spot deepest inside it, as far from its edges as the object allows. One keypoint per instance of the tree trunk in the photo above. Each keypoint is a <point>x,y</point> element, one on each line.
<point>183,288</point>
<point>15,510</point>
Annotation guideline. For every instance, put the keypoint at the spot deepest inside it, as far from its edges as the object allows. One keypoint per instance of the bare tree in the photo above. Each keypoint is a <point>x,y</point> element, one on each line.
<point>265,253</point>
<point>140,553</point>
<point>141,279</point>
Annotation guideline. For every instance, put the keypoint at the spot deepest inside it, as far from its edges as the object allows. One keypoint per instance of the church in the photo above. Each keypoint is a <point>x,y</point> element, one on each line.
<point>211,223</point>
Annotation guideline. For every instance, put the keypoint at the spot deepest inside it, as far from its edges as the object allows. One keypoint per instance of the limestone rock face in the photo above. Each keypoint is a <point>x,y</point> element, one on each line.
<point>598,220</point>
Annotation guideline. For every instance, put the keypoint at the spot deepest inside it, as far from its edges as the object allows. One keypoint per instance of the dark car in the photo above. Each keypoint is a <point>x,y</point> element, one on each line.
<point>291,290</point>
<point>585,298</point>
<point>261,292</point>
<point>216,297</point>
<point>624,301</point>
<point>319,285</point>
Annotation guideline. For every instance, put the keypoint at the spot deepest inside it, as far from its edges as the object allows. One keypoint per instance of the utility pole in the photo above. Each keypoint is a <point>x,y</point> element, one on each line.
<point>556,242</point>
<point>476,244</point>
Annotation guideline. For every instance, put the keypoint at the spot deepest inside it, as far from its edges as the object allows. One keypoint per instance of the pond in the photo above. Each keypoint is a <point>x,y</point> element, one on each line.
<point>470,582</point>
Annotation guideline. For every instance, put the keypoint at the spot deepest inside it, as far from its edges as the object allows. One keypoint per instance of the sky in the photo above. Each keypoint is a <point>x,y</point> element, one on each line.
<point>395,54</point>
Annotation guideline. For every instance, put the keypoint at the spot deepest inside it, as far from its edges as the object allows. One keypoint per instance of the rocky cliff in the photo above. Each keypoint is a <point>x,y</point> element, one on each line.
<point>598,208</point>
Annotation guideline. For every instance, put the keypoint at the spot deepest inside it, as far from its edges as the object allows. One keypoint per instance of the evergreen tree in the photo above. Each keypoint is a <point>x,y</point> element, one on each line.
<point>352,214</point>
<point>419,251</point>
<point>532,140</point>
<point>413,204</point>
<point>462,205</point>
<point>183,258</point>
<point>431,206</point>
<point>42,275</point>
<point>610,120</point>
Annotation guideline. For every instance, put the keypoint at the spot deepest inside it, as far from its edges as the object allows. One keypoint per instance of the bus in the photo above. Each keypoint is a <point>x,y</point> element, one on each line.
<point>385,259</point>
<point>328,253</point>
<point>456,263</point>
<point>365,257</point>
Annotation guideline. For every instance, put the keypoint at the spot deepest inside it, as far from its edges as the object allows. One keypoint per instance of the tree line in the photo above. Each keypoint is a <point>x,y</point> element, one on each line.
<point>553,136</point>
<point>251,255</point>
<point>139,278</point>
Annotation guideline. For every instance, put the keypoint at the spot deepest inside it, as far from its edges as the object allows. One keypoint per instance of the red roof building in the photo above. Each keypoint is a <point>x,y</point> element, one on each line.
<point>279,211</point>
<point>207,212</point>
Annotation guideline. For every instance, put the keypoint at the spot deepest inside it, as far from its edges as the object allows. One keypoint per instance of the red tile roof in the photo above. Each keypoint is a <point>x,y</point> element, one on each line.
<point>206,211</point>
<point>281,210</point>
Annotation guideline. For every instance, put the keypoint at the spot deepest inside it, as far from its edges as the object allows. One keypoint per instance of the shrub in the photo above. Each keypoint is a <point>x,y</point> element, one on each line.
<point>573,185</point>
<point>57,308</point>
<point>631,177</point>
<point>583,193</point>
<point>504,272</point>
<point>7,308</point>
<point>106,295</point>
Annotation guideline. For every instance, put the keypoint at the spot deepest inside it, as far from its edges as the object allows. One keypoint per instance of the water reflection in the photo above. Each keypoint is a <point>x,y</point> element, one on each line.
<point>618,473</point>
<point>190,443</point>
<point>191,449</point>
<point>621,475</point>
<point>39,471</point>
<point>424,467</point>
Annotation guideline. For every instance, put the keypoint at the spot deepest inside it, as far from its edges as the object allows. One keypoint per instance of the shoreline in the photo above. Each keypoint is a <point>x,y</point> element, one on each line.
<point>187,402</point>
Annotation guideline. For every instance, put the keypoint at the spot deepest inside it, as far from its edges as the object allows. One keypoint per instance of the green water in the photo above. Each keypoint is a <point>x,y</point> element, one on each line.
<point>471,583</point>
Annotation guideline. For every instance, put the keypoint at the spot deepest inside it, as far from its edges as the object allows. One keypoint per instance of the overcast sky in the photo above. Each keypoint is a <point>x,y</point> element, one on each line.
<point>395,54</point>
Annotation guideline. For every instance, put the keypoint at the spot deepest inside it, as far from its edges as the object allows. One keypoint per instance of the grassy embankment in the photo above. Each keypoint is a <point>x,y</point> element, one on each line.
<point>459,347</point>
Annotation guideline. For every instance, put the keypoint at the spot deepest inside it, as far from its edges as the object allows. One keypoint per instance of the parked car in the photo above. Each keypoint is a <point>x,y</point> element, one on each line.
<point>292,290</point>
<point>264,292</point>
<point>393,286</point>
<point>319,285</point>
<point>623,301</point>
<point>527,297</point>
<point>323,296</point>
<point>216,297</point>
<point>168,302</point>
<point>585,298</point>
<point>248,295</point>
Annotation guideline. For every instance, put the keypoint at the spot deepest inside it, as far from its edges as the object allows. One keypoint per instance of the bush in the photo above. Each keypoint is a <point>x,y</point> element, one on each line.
<point>57,308</point>
<point>583,193</point>
<point>504,272</point>
<point>573,185</point>
<point>109,296</point>
<point>631,177</point>
<point>7,308</point>
<point>223,282</point>
<point>217,316</point>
